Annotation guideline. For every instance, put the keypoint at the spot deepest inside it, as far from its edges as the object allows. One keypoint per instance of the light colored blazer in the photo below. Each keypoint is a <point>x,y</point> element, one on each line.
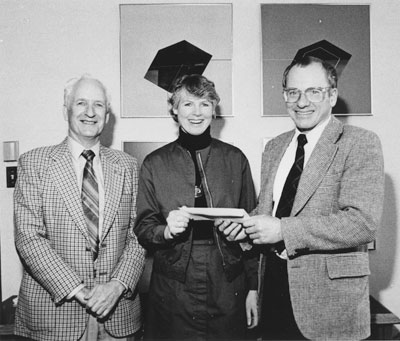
<point>336,212</point>
<point>52,241</point>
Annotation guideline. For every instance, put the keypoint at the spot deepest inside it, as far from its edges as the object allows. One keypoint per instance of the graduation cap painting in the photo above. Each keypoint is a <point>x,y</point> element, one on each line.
<point>328,52</point>
<point>174,61</point>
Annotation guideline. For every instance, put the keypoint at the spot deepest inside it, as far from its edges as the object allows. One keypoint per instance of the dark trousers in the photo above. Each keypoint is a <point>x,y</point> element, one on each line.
<point>277,322</point>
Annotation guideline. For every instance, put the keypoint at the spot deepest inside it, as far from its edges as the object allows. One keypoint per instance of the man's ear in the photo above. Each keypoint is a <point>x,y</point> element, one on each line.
<point>107,116</point>
<point>65,112</point>
<point>333,96</point>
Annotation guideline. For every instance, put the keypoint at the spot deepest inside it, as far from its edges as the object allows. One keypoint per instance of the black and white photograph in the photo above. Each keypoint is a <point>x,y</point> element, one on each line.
<point>199,170</point>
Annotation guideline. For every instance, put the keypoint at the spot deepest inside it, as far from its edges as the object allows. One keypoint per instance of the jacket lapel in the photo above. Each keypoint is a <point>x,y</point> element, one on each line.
<point>318,164</point>
<point>271,159</point>
<point>113,185</point>
<point>64,178</point>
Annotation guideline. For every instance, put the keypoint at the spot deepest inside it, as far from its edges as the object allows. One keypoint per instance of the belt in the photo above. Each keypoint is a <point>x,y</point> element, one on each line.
<point>206,242</point>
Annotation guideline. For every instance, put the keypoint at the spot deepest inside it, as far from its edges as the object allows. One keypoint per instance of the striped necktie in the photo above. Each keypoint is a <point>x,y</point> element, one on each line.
<point>90,201</point>
<point>290,188</point>
<point>292,180</point>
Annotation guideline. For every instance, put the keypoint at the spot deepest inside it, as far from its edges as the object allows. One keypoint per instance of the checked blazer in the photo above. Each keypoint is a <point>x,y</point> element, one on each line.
<point>53,244</point>
<point>336,212</point>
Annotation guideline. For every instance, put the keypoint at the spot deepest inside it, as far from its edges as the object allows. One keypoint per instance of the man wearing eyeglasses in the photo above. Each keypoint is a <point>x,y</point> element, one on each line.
<point>320,205</point>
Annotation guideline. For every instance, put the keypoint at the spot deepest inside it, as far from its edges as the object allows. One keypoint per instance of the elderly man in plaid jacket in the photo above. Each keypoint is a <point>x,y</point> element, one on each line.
<point>74,216</point>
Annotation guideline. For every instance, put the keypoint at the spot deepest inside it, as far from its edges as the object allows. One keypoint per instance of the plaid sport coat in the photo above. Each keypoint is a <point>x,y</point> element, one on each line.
<point>336,212</point>
<point>53,244</point>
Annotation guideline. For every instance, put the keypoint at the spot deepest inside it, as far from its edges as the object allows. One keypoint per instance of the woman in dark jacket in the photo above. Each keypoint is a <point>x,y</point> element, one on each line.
<point>202,285</point>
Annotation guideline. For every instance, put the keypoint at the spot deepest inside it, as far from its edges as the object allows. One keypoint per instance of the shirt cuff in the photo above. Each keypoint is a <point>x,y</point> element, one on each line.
<point>126,287</point>
<point>75,291</point>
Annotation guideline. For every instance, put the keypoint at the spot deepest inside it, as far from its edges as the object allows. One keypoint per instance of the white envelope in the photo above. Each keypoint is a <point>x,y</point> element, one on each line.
<point>210,213</point>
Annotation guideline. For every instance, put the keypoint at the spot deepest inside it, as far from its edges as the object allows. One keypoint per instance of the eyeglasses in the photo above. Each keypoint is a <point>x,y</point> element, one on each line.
<point>314,95</point>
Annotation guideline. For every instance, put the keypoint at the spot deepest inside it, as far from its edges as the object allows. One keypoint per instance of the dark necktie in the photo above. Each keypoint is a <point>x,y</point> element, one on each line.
<point>292,180</point>
<point>290,188</point>
<point>90,201</point>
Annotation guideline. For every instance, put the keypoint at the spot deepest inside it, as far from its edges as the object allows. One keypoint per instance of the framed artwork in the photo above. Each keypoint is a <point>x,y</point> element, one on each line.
<point>288,28</point>
<point>147,29</point>
<point>140,150</point>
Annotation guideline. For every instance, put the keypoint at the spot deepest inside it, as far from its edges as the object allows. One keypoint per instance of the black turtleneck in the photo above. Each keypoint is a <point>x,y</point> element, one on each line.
<point>201,229</point>
<point>194,142</point>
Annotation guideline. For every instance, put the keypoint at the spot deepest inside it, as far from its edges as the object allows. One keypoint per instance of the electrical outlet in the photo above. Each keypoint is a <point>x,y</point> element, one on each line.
<point>11,176</point>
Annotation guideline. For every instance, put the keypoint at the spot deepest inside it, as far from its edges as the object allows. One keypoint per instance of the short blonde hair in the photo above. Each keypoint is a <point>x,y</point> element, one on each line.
<point>196,85</point>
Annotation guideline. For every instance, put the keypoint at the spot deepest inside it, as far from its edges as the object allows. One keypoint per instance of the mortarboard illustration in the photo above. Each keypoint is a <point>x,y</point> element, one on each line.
<point>328,52</point>
<point>174,61</point>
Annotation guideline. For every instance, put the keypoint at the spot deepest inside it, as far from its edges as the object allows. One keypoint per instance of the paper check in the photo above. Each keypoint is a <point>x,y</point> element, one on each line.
<point>209,213</point>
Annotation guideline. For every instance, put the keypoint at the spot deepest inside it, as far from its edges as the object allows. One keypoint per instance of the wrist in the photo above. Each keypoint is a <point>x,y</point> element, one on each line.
<point>76,291</point>
<point>167,233</point>
<point>118,284</point>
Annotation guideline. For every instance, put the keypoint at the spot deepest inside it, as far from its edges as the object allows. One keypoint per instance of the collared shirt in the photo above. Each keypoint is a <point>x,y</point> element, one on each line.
<point>289,157</point>
<point>79,162</point>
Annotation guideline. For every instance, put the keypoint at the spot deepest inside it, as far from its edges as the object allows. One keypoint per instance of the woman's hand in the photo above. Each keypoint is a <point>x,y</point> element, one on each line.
<point>252,309</point>
<point>177,222</point>
<point>232,231</point>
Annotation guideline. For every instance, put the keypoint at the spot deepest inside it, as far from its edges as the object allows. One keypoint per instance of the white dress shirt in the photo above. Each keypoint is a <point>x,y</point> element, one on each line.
<point>290,155</point>
<point>287,162</point>
<point>79,163</point>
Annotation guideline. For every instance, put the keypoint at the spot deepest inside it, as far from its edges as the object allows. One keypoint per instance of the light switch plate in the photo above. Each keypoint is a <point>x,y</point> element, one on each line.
<point>10,151</point>
<point>11,176</point>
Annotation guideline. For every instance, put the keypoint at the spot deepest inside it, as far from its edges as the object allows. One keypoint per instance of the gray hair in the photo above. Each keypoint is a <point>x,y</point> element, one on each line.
<point>307,60</point>
<point>71,85</point>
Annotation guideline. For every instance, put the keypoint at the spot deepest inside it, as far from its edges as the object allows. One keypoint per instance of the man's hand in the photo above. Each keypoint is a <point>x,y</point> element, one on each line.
<point>80,296</point>
<point>232,231</point>
<point>252,309</point>
<point>103,297</point>
<point>177,222</point>
<point>263,229</point>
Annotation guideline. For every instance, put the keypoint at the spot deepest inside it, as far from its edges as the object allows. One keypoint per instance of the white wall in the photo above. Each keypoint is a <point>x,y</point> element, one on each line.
<point>43,43</point>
